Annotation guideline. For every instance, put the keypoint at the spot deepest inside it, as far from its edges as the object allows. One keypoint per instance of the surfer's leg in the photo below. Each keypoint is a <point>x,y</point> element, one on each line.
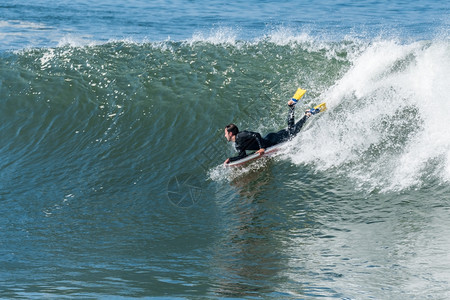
<point>298,126</point>
<point>270,139</point>
<point>291,118</point>
<point>285,134</point>
<point>294,128</point>
<point>274,138</point>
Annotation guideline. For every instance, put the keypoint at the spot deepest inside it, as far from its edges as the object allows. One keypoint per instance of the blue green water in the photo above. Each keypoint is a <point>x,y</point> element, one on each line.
<point>111,150</point>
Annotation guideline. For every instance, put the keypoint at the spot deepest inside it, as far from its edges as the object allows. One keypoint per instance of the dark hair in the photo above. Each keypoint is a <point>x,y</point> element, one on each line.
<point>232,128</point>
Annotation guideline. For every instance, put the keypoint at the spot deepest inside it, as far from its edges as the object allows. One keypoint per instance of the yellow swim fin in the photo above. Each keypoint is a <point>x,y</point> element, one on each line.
<point>321,107</point>
<point>298,94</point>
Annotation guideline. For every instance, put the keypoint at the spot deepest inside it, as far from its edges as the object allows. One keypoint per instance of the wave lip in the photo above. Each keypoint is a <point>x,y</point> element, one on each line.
<point>387,118</point>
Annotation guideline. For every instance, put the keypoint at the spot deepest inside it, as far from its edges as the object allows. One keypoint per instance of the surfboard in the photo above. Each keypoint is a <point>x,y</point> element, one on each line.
<point>274,149</point>
<point>269,151</point>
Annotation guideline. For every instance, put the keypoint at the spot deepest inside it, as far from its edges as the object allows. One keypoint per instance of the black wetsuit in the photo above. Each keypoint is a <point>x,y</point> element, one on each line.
<point>247,140</point>
<point>286,134</point>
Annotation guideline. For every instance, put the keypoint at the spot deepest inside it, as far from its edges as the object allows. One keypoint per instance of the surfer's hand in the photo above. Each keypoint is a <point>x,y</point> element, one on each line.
<point>226,162</point>
<point>261,151</point>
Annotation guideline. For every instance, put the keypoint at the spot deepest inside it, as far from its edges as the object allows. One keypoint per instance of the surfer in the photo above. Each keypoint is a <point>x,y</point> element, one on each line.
<point>248,140</point>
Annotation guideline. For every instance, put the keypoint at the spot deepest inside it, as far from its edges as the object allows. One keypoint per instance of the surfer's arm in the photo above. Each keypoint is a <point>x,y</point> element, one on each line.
<point>242,147</point>
<point>241,155</point>
<point>258,138</point>
<point>246,141</point>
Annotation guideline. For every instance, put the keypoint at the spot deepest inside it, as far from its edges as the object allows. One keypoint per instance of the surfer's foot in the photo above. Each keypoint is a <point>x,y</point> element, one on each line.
<point>313,111</point>
<point>291,103</point>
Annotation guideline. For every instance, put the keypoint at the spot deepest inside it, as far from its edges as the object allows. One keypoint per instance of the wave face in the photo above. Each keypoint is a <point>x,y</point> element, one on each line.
<point>125,104</point>
<point>112,153</point>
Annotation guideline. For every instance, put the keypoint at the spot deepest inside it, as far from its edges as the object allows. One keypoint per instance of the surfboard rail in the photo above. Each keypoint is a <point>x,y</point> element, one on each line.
<point>269,151</point>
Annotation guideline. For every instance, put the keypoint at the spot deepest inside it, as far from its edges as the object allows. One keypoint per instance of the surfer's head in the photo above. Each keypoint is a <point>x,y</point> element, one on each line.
<point>231,131</point>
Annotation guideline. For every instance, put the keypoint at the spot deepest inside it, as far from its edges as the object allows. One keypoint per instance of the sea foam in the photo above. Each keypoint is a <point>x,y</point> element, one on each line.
<point>387,118</point>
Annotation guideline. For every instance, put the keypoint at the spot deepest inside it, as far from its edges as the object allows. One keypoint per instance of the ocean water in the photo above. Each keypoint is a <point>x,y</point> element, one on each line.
<point>111,150</point>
